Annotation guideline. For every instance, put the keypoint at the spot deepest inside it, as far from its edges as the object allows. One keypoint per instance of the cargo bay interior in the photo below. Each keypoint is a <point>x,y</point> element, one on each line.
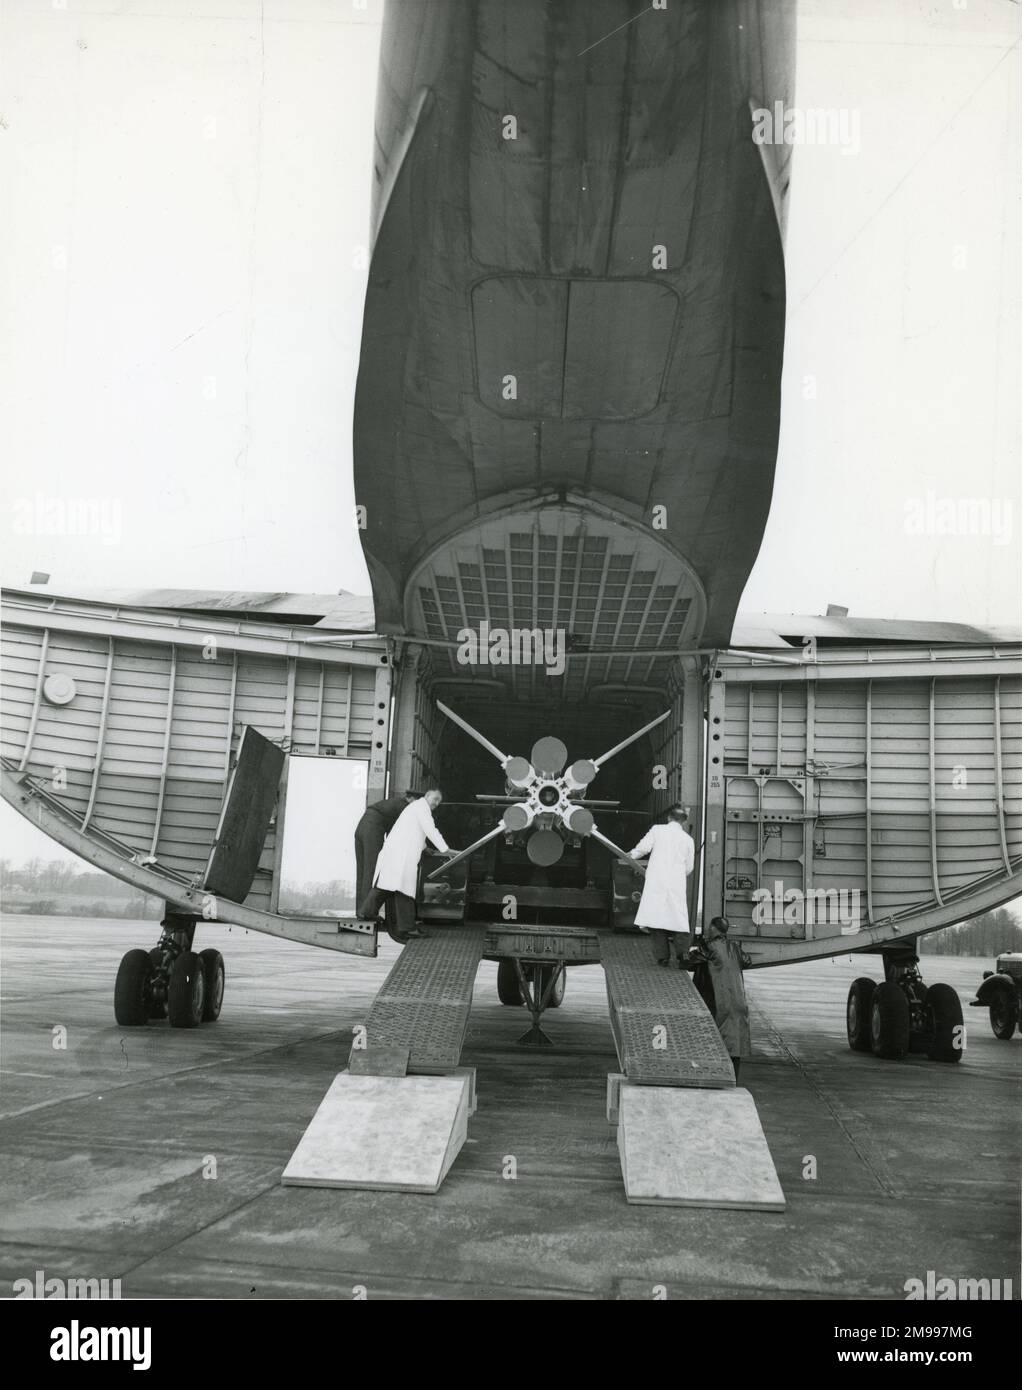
<point>609,598</point>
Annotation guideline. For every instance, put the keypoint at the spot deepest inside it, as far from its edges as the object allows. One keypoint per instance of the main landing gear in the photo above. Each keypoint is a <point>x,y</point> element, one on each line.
<point>171,981</point>
<point>901,1015</point>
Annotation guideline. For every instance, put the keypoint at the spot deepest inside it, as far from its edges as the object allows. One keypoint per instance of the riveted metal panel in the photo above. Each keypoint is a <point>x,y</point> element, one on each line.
<point>888,778</point>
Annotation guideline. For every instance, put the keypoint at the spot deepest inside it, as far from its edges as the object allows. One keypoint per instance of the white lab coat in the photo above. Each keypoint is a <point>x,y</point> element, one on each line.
<point>398,865</point>
<point>672,856</point>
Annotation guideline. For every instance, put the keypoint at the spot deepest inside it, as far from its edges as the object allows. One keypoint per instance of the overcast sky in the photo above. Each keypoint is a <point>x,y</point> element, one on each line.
<point>183,227</point>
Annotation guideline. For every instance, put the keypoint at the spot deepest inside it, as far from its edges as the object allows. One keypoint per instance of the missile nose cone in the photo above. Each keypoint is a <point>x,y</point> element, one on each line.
<point>548,756</point>
<point>516,818</point>
<point>545,847</point>
<point>578,820</point>
<point>580,774</point>
<point>519,772</point>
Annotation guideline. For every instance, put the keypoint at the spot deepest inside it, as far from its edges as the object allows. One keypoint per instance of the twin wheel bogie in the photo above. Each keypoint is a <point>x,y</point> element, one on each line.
<point>509,985</point>
<point>181,985</point>
<point>901,1015</point>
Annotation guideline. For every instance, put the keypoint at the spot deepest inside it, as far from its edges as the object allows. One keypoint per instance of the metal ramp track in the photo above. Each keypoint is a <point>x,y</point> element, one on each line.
<point>663,1032</point>
<point>424,1003</point>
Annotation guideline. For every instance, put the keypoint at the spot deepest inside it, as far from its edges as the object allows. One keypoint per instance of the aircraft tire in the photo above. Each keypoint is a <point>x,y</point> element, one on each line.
<point>509,991</point>
<point>131,990</point>
<point>857,1014</point>
<point>213,970</point>
<point>557,993</point>
<point>157,1010</point>
<point>889,1022</point>
<point>187,993</point>
<point>945,1009</point>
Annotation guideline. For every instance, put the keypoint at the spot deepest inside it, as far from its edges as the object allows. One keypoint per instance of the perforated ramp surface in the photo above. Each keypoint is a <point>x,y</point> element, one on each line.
<point>663,1032</point>
<point>424,1002</point>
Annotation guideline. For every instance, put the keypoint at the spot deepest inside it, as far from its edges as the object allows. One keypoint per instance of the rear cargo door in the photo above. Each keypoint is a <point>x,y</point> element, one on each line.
<point>245,818</point>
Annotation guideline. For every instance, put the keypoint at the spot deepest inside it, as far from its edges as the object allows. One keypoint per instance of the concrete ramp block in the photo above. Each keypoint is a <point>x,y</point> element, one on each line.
<point>470,1072</point>
<point>615,1080</point>
<point>397,1133</point>
<point>684,1147</point>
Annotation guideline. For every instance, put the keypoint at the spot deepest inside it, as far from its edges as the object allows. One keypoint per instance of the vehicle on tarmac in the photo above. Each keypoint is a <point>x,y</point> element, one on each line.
<point>1001,993</point>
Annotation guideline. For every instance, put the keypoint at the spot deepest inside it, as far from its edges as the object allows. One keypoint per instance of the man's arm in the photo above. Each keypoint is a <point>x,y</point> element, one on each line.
<point>432,833</point>
<point>644,847</point>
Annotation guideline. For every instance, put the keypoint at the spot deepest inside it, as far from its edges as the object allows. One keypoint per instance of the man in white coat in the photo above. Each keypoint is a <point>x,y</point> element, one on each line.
<point>397,868</point>
<point>663,907</point>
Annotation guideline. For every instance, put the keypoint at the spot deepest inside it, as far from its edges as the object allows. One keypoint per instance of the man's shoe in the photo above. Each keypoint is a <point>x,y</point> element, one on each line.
<point>419,931</point>
<point>402,938</point>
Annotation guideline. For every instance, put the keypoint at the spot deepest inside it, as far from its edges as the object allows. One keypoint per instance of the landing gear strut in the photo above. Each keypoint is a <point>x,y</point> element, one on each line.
<point>538,987</point>
<point>901,1015</point>
<point>509,988</point>
<point>171,981</point>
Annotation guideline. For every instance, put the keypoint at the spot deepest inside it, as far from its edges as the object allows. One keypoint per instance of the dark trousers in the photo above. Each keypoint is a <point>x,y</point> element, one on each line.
<point>400,909</point>
<point>369,907</point>
<point>369,836</point>
<point>662,945</point>
<point>400,912</point>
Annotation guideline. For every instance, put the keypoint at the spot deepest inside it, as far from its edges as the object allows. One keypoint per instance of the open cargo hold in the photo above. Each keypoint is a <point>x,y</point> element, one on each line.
<point>513,708</point>
<point>840,803</point>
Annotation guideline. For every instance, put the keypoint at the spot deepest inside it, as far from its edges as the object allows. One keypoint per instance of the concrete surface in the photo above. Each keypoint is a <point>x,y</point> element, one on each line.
<point>155,1155</point>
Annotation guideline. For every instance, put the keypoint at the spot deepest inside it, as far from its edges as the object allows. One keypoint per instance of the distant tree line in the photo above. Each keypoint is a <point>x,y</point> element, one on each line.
<point>337,895</point>
<point>56,876</point>
<point>989,934</point>
<point>56,888</point>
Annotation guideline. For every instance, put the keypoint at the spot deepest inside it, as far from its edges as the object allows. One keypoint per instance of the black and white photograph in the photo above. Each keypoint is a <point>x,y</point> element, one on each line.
<point>511,667</point>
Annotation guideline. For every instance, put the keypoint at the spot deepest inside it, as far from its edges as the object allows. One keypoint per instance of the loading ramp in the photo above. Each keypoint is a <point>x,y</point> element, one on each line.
<point>424,1003</point>
<point>686,1135</point>
<point>663,1032</point>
